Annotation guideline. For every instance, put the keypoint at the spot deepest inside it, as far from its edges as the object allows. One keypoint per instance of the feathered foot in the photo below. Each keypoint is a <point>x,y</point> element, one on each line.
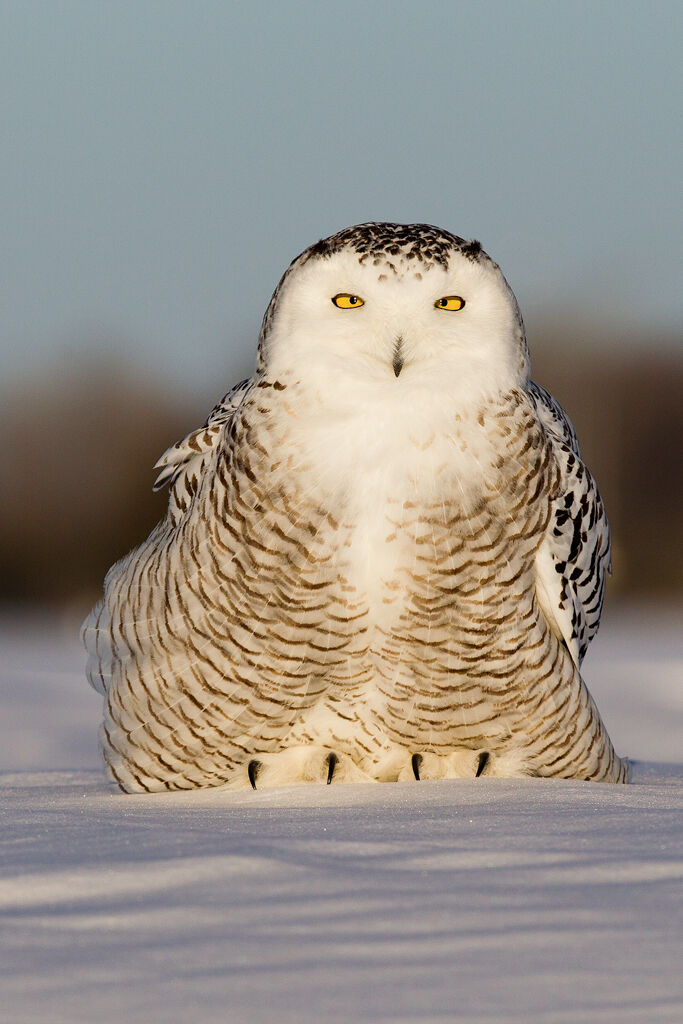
<point>294,765</point>
<point>464,764</point>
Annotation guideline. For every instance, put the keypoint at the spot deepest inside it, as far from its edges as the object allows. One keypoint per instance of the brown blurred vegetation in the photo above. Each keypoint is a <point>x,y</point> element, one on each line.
<point>78,451</point>
<point>76,466</point>
<point>627,407</point>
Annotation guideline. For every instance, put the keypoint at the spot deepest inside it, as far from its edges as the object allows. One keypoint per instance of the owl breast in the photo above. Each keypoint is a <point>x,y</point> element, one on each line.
<point>427,574</point>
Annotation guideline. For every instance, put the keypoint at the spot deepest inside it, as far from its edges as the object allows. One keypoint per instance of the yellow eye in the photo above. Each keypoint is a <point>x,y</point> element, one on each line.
<point>450,302</point>
<point>346,301</point>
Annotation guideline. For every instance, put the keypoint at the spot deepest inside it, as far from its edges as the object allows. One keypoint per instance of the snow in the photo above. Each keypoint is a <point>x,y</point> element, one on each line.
<point>478,901</point>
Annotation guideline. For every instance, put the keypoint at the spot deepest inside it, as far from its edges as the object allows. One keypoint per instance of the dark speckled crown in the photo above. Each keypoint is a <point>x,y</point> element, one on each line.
<point>421,242</point>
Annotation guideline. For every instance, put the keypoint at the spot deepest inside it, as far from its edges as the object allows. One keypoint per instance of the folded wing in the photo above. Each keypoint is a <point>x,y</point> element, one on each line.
<point>574,558</point>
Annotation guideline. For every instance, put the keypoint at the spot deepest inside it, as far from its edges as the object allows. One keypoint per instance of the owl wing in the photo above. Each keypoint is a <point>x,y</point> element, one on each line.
<point>574,557</point>
<point>182,464</point>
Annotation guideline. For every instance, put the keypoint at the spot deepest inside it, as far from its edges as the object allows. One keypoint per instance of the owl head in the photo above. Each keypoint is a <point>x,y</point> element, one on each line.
<point>399,309</point>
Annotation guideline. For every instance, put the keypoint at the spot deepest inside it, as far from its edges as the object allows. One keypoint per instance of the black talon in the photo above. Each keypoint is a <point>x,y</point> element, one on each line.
<point>416,761</point>
<point>331,760</point>
<point>252,771</point>
<point>483,761</point>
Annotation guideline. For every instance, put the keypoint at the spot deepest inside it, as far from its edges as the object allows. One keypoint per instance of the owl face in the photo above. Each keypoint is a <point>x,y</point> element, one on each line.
<point>396,316</point>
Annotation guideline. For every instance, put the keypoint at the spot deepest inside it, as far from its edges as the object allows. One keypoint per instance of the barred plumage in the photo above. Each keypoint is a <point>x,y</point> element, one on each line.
<point>383,557</point>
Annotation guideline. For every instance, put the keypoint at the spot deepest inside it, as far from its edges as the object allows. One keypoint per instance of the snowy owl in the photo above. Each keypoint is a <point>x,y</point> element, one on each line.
<point>383,557</point>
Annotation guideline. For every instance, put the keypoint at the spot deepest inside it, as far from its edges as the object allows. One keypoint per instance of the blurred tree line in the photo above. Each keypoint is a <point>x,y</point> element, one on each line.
<point>78,450</point>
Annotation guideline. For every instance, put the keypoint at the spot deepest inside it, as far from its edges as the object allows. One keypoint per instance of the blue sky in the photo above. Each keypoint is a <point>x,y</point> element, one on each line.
<point>163,162</point>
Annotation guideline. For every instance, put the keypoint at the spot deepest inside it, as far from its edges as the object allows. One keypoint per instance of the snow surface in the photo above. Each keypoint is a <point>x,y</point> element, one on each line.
<point>478,900</point>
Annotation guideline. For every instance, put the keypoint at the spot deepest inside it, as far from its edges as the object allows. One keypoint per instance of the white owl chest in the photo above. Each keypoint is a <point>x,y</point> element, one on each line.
<point>392,476</point>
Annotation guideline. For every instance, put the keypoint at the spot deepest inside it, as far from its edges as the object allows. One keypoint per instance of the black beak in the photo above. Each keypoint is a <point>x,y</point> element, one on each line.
<point>398,356</point>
